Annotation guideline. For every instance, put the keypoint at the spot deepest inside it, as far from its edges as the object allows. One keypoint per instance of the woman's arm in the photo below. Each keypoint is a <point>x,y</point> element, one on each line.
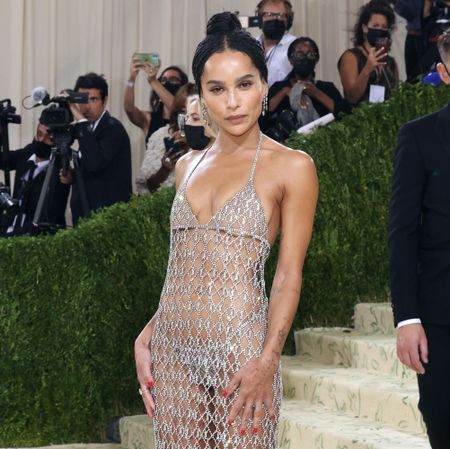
<point>143,362</point>
<point>278,97</point>
<point>354,82</point>
<point>298,207</point>
<point>165,96</point>
<point>313,91</point>
<point>137,116</point>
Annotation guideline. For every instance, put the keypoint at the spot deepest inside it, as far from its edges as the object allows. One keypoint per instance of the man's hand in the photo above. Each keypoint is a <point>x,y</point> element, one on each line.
<point>412,347</point>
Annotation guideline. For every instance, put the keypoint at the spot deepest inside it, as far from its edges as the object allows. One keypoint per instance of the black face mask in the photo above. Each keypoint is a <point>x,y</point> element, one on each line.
<point>304,67</point>
<point>274,29</point>
<point>374,34</point>
<point>195,137</point>
<point>172,88</point>
<point>41,150</point>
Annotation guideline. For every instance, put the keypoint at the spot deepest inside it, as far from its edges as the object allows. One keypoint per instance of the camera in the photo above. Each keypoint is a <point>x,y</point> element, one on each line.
<point>58,116</point>
<point>442,14</point>
<point>8,112</point>
<point>7,204</point>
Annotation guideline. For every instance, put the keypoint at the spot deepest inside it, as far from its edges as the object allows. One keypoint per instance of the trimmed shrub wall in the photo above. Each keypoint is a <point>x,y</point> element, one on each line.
<point>71,305</point>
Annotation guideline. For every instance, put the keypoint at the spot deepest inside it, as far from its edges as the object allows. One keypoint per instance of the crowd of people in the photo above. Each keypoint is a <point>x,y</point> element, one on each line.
<point>101,175</point>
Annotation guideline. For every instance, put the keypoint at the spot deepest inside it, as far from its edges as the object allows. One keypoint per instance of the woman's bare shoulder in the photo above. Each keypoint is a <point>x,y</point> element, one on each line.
<point>290,159</point>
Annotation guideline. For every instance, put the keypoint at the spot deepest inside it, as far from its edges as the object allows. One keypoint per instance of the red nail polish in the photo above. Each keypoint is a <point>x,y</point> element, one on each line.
<point>150,383</point>
<point>225,394</point>
<point>229,422</point>
<point>255,430</point>
<point>272,417</point>
<point>242,432</point>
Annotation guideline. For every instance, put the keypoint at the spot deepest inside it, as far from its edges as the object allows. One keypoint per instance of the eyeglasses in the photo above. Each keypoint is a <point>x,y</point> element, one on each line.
<point>312,55</point>
<point>171,79</point>
<point>274,15</point>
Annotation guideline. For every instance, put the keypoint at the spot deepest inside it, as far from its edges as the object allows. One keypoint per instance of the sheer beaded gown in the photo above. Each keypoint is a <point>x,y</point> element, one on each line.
<point>211,321</point>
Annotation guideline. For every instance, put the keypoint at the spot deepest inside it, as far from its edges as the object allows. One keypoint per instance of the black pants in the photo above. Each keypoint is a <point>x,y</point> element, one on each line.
<point>414,48</point>
<point>434,386</point>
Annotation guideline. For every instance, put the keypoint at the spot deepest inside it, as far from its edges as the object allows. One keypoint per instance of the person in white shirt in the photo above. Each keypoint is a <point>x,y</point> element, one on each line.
<point>275,20</point>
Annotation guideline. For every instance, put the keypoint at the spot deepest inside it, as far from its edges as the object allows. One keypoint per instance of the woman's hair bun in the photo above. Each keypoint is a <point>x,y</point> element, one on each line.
<point>223,23</point>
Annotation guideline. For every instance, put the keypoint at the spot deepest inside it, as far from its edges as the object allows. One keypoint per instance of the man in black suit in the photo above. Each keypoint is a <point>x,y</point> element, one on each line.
<point>419,244</point>
<point>30,165</point>
<point>104,150</point>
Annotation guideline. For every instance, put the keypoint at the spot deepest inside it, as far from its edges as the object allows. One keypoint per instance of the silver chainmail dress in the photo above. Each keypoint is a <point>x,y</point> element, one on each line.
<point>212,319</point>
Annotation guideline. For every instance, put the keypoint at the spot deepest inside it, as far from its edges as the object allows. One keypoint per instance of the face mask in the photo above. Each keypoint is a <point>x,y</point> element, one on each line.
<point>42,150</point>
<point>374,34</point>
<point>304,67</point>
<point>172,88</point>
<point>195,137</point>
<point>274,29</point>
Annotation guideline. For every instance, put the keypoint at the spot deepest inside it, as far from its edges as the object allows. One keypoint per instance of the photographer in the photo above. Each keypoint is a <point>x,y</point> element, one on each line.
<point>435,20</point>
<point>30,165</point>
<point>164,148</point>
<point>104,150</point>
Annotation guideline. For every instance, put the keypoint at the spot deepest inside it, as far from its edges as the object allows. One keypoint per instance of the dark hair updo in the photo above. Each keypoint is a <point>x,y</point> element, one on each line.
<point>224,32</point>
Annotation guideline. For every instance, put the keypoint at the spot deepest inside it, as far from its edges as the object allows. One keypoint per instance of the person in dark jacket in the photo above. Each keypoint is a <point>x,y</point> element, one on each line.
<point>104,150</point>
<point>300,92</point>
<point>419,245</point>
<point>30,165</point>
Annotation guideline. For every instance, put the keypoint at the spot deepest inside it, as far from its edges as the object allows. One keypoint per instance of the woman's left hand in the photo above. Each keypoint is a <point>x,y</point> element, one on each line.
<point>310,89</point>
<point>254,381</point>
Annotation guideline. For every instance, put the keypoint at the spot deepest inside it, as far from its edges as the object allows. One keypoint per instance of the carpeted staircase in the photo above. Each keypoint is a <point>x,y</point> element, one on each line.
<point>345,389</point>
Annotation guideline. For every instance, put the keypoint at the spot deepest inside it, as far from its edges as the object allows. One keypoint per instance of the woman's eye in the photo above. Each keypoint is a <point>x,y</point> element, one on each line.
<point>246,84</point>
<point>216,90</point>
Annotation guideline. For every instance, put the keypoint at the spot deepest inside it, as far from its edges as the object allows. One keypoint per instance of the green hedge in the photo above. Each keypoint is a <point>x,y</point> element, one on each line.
<point>71,305</point>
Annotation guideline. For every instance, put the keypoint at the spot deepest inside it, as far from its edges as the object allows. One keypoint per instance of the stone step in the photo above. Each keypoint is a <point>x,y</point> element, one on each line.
<point>374,318</point>
<point>307,426</point>
<point>357,393</point>
<point>136,432</point>
<point>352,349</point>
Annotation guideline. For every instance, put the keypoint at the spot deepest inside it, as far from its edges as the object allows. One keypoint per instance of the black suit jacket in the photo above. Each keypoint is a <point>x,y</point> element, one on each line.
<point>105,165</point>
<point>55,206</point>
<point>419,238</point>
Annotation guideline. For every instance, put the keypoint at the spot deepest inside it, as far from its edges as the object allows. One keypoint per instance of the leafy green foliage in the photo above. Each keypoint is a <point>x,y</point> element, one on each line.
<point>72,305</point>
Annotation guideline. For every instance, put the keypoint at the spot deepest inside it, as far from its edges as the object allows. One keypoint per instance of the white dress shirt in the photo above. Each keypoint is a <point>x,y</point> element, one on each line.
<point>276,59</point>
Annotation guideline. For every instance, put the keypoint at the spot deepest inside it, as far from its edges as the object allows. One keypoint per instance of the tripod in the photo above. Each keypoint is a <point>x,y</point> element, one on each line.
<point>62,152</point>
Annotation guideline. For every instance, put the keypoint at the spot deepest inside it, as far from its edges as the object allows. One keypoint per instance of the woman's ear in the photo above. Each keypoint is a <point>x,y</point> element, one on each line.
<point>443,73</point>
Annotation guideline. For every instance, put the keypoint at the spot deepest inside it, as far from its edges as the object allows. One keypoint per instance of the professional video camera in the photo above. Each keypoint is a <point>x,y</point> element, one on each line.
<point>283,124</point>
<point>442,15</point>
<point>58,118</point>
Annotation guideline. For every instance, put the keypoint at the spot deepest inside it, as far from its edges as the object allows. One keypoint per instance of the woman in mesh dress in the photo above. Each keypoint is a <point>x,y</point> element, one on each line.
<point>208,362</point>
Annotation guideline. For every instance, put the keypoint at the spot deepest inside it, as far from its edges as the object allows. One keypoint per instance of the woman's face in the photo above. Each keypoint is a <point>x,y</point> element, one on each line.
<point>377,21</point>
<point>232,90</point>
<point>193,112</point>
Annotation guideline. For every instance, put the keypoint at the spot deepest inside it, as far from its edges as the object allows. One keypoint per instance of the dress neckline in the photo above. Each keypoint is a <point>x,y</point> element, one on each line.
<point>229,200</point>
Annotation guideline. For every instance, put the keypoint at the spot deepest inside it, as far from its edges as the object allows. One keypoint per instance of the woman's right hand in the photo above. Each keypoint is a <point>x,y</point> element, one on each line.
<point>375,59</point>
<point>143,363</point>
<point>134,68</point>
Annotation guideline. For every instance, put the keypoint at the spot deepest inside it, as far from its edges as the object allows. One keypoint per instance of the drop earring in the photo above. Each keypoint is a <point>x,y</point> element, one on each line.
<point>264,105</point>
<point>204,112</point>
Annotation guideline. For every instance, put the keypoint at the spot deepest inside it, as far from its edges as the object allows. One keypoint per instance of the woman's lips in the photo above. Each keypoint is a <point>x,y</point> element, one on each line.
<point>236,119</point>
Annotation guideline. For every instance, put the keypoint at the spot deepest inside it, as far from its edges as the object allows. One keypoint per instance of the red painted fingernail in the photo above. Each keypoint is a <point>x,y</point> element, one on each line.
<point>255,430</point>
<point>229,422</point>
<point>150,383</point>
<point>242,432</point>
<point>225,393</point>
<point>272,417</point>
